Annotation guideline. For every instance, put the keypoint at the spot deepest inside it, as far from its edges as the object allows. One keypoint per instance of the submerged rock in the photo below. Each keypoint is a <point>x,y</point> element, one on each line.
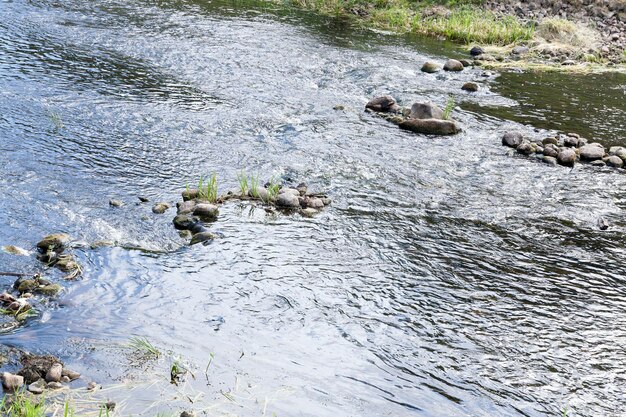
<point>67,263</point>
<point>591,152</point>
<point>383,104</point>
<point>430,67</point>
<point>11,382</point>
<point>425,110</point>
<point>54,385</point>
<point>603,223</point>
<point>202,237</point>
<point>512,139</point>
<point>550,160</point>
<point>309,212</point>
<point>14,250</point>
<point>37,387</point>
<point>160,208</point>
<point>55,242</point>
<point>453,65</point>
<point>431,126</point>
<point>567,157</point>
<point>143,199</point>
<point>471,87</point>
<point>116,203</point>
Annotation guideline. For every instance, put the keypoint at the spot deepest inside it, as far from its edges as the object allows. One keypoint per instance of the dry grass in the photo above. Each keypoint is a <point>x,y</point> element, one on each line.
<point>567,34</point>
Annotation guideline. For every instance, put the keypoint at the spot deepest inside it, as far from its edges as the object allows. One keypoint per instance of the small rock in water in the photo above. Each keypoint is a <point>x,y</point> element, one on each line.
<point>291,191</point>
<point>315,203</point>
<point>116,203</point>
<point>302,188</point>
<point>92,386</point>
<point>110,405</point>
<point>54,385</point>
<point>476,50</point>
<point>430,67</point>
<point>37,387</point>
<point>308,212</point>
<point>598,163</point>
<point>11,382</point>
<point>327,201</point>
<point>186,207</point>
<point>202,237</point>
<point>567,157</point>
<point>512,139</point>
<point>426,110</point>
<point>551,150</point>
<point>571,141</point>
<point>189,194</point>
<point>453,65</point>
<point>288,200</point>
<point>54,373</point>
<point>603,223</point>
<point>431,126</point>
<point>160,208</point>
<point>187,414</point>
<point>465,63</point>
<point>14,250</point>
<point>206,211</point>
<point>65,379</point>
<point>198,228</point>
<point>383,104</point>
<point>550,160</point>
<point>184,222</point>
<point>520,50</point>
<point>525,147</point>
<point>143,199</point>
<point>614,161</point>
<point>550,141</point>
<point>471,87</point>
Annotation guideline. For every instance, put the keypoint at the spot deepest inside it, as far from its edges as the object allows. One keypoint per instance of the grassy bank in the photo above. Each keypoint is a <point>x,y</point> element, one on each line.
<point>459,20</point>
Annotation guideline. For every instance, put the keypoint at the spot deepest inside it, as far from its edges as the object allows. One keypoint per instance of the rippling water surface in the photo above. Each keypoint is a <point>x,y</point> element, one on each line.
<point>447,279</point>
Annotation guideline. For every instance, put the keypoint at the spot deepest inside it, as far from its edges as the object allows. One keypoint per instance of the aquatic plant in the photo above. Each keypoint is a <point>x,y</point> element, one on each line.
<point>177,369</point>
<point>55,118</point>
<point>242,178</point>
<point>143,345</point>
<point>272,189</point>
<point>208,192</point>
<point>206,370</point>
<point>254,186</point>
<point>449,107</point>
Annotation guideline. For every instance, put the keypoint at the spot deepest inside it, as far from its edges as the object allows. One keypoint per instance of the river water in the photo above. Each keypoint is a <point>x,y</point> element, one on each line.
<point>448,278</point>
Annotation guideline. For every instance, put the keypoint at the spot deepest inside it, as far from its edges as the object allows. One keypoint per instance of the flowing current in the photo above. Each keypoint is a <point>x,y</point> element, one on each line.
<point>447,278</point>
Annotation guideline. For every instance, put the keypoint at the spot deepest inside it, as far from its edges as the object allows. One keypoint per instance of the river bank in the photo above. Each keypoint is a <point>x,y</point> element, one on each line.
<point>570,35</point>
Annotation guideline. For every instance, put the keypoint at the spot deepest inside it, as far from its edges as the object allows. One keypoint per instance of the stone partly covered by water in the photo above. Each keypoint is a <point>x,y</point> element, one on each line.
<point>383,104</point>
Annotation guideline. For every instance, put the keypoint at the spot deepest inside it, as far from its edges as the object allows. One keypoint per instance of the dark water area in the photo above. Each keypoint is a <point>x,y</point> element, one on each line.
<point>446,279</point>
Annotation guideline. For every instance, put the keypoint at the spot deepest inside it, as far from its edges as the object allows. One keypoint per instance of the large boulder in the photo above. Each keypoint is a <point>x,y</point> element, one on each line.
<point>567,157</point>
<point>426,110</point>
<point>512,139</point>
<point>453,65</point>
<point>383,104</point>
<point>592,152</point>
<point>430,126</point>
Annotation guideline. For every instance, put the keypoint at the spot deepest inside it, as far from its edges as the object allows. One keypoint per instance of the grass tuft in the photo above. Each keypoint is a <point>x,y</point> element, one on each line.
<point>143,345</point>
<point>208,191</point>
<point>21,405</point>
<point>242,178</point>
<point>254,186</point>
<point>273,189</point>
<point>447,111</point>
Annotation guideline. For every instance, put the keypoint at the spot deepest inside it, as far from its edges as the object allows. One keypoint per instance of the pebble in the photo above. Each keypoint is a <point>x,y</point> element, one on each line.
<point>160,208</point>
<point>54,373</point>
<point>116,203</point>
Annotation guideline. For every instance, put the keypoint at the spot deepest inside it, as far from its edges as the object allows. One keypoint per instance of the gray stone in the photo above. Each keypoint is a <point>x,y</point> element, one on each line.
<point>184,221</point>
<point>591,152</point>
<point>453,65</point>
<point>308,212</point>
<point>476,50</point>
<point>288,200</point>
<point>430,67</point>
<point>160,208</point>
<point>54,385</point>
<point>202,237</point>
<point>567,157</point>
<point>383,104</point>
<point>327,201</point>
<point>54,373</point>
<point>471,87</point>
<point>116,203</point>
<point>551,150</point>
<point>206,211</point>
<point>465,63</point>
<point>55,242</point>
<point>570,141</point>
<point>548,141</point>
<point>431,126</point>
<point>525,147</point>
<point>550,160</point>
<point>143,199</point>
<point>614,161</point>
<point>189,194</point>
<point>11,382</point>
<point>37,387</point>
<point>315,203</point>
<point>426,110</point>
<point>613,150</point>
<point>520,50</point>
<point>603,223</point>
<point>292,191</point>
<point>512,139</point>
<point>186,207</point>
<point>598,163</point>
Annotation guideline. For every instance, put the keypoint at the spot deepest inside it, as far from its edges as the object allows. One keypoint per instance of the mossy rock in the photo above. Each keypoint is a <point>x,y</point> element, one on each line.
<point>55,242</point>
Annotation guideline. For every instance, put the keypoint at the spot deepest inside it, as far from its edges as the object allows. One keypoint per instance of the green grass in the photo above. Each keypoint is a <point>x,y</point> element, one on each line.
<point>143,345</point>
<point>209,191</point>
<point>244,187</point>
<point>55,118</point>
<point>458,20</point>
<point>254,186</point>
<point>22,406</point>
<point>447,111</point>
<point>272,189</point>
<point>177,370</point>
